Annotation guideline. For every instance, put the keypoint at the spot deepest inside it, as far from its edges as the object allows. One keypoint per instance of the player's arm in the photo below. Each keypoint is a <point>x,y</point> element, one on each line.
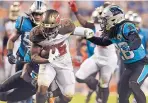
<point>35,54</point>
<point>131,34</point>
<point>10,46</point>
<point>89,35</point>
<point>80,18</point>
<point>36,49</point>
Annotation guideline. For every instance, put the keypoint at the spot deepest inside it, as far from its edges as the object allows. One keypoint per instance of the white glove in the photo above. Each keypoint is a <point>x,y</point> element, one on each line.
<point>52,57</point>
<point>83,32</point>
<point>89,33</point>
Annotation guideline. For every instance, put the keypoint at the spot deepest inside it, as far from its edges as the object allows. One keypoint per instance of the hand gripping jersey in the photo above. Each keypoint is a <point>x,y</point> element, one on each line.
<point>24,26</point>
<point>121,41</point>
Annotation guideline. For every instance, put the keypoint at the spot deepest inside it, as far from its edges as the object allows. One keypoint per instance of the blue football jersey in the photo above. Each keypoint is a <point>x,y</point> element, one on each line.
<point>121,41</point>
<point>24,26</point>
<point>143,33</point>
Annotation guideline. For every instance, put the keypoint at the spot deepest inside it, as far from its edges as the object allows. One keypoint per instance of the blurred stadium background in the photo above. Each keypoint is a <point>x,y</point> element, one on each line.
<point>78,47</point>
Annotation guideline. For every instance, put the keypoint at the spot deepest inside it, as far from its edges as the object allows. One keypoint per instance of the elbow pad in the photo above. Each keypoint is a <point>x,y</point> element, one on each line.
<point>83,32</point>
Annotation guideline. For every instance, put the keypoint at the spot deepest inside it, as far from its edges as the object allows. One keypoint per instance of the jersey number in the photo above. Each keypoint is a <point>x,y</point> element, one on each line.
<point>26,39</point>
<point>125,54</point>
<point>61,47</point>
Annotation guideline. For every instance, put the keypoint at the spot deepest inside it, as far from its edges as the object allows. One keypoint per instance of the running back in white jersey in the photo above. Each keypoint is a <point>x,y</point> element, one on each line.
<point>59,47</point>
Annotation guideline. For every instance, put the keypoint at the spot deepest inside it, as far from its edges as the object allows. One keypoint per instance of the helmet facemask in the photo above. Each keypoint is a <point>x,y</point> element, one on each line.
<point>111,16</point>
<point>37,9</point>
<point>50,32</point>
<point>51,23</point>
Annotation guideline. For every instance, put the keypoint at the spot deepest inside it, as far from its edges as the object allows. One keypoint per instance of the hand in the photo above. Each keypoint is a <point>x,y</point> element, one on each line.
<point>89,33</point>
<point>73,6</point>
<point>51,57</point>
<point>125,48</point>
<point>11,59</point>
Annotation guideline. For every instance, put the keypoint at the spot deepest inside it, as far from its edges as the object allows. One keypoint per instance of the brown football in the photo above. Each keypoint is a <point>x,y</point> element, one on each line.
<point>44,53</point>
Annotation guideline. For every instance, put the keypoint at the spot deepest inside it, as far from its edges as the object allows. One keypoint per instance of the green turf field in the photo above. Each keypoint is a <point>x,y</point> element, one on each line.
<point>78,98</point>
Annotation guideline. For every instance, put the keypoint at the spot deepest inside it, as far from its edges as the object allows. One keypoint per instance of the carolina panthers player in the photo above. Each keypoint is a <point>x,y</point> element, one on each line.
<point>125,36</point>
<point>23,26</point>
<point>9,31</point>
<point>100,62</point>
<point>144,37</point>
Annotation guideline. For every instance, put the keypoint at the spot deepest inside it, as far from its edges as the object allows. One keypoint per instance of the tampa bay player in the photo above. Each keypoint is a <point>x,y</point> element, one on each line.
<point>52,36</point>
<point>9,31</point>
<point>126,38</point>
<point>100,62</point>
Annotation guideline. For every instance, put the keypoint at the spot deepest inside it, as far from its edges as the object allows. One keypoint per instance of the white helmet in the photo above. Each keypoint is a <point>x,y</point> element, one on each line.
<point>128,14</point>
<point>136,19</point>
<point>96,14</point>
<point>14,10</point>
<point>37,7</point>
<point>111,16</point>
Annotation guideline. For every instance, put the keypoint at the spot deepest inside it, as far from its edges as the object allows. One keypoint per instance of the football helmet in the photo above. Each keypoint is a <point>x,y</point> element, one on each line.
<point>136,19</point>
<point>128,14</point>
<point>111,16</point>
<point>14,11</point>
<point>37,8</point>
<point>51,23</point>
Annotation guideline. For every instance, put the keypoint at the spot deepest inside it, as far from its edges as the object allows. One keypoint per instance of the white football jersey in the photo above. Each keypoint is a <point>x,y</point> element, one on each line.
<point>59,49</point>
<point>10,26</point>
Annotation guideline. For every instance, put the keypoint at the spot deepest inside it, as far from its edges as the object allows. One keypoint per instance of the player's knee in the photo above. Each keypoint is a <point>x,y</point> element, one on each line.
<point>104,82</point>
<point>67,99</point>
<point>42,89</point>
<point>69,92</point>
<point>133,85</point>
<point>91,82</point>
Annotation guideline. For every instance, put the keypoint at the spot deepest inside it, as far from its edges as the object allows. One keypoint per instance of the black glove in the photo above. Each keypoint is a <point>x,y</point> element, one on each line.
<point>11,57</point>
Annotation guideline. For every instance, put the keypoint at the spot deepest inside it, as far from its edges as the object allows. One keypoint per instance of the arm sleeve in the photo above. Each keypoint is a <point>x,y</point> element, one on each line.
<point>101,41</point>
<point>131,34</point>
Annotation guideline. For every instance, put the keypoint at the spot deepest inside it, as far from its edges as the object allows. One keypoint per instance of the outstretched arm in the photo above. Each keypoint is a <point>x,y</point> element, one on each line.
<point>80,18</point>
<point>101,41</point>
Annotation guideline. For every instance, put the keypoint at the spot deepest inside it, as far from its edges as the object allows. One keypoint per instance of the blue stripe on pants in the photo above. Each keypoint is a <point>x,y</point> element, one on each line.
<point>143,74</point>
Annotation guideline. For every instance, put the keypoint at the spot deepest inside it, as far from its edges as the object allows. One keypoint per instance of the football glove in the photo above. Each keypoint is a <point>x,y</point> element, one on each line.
<point>73,6</point>
<point>11,57</point>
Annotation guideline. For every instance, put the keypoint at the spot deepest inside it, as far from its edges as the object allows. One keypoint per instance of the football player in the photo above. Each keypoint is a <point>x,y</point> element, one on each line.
<point>9,31</point>
<point>126,38</point>
<point>23,26</point>
<point>52,36</point>
<point>100,62</point>
<point>135,18</point>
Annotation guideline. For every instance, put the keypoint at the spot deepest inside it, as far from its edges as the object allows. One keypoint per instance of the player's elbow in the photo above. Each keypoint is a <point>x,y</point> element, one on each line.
<point>136,44</point>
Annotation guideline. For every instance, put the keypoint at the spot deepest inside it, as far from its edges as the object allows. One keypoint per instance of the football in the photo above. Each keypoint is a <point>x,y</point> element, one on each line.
<point>44,53</point>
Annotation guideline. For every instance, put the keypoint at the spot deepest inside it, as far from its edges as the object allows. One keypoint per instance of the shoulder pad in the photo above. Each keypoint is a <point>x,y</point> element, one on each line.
<point>128,27</point>
<point>36,35</point>
<point>66,26</point>
<point>19,22</point>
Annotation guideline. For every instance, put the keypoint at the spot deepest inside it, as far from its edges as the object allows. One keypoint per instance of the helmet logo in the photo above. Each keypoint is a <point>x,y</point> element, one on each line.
<point>58,19</point>
<point>116,11</point>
